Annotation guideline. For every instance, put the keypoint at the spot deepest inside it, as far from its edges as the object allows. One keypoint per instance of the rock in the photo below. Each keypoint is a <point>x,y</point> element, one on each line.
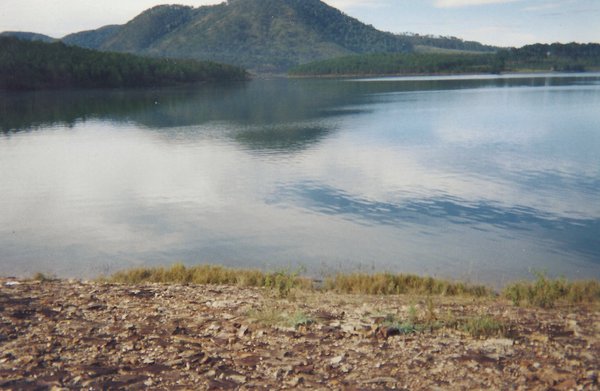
<point>336,360</point>
<point>243,331</point>
<point>499,342</point>
<point>386,331</point>
<point>572,324</point>
<point>296,381</point>
<point>95,306</point>
<point>240,379</point>
<point>380,380</point>
<point>568,384</point>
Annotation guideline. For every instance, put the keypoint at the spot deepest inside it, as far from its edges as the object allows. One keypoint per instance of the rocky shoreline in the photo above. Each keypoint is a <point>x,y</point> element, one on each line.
<point>74,335</point>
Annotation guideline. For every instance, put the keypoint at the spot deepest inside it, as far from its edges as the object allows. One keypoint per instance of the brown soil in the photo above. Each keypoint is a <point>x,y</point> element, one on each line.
<point>75,335</point>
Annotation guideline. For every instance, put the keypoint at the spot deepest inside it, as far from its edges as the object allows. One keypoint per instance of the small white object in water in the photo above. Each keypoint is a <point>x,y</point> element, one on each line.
<point>11,283</point>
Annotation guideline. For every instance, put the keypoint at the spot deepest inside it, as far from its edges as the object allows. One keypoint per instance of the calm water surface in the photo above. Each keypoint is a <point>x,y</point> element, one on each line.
<point>475,178</point>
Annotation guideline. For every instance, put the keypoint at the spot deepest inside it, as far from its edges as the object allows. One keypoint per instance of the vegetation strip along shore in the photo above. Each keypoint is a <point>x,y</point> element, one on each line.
<point>542,292</point>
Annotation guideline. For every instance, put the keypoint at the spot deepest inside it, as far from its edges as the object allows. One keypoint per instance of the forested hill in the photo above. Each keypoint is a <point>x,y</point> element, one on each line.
<point>28,36</point>
<point>539,57</point>
<point>262,35</point>
<point>36,65</point>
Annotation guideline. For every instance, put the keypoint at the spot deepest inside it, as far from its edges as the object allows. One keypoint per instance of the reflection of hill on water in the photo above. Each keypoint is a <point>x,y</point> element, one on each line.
<point>278,114</point>
<point>32,110</point>
<point>284,139</point>
<point>258,102</point>
<point>265,114</point>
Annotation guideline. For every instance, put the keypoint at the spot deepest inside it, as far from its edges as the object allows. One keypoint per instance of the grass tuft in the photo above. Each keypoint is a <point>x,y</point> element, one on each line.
<point>282,282</point>
<point>483,326</point>
<point>394,284</point>
<point>546,293</point>
<point>41,277</point>
<point>299,319</point>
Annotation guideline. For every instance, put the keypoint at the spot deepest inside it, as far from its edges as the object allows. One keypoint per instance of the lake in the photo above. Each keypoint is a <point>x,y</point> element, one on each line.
<point>482,179</point>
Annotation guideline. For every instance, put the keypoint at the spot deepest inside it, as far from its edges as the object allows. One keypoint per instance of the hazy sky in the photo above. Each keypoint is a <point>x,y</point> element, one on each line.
<point>497,22</point>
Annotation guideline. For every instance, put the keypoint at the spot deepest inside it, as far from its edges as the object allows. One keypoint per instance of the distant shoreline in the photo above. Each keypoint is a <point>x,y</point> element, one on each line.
<point>399,75</point>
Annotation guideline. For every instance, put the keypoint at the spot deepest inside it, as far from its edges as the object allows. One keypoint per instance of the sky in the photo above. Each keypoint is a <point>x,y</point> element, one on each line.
<point>495,22</point>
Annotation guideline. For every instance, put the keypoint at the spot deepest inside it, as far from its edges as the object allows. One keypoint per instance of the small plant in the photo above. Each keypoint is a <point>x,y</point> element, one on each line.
<point>430,315</point>
<point>483,326</point>
<point>402,327</point>
<point>299,319</point>
<point>413,316</point>
<point>282,282</point>
<point>41,277</point>
<point>268,316</point>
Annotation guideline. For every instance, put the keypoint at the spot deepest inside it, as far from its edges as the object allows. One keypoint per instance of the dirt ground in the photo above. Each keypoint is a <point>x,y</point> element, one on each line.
<point>76,335</point>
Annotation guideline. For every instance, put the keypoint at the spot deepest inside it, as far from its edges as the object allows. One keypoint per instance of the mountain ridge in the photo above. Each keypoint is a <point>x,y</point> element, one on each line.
<point>266,36</point>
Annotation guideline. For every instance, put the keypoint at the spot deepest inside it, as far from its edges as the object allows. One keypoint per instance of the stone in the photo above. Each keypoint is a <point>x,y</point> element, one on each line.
<point>336,360</point>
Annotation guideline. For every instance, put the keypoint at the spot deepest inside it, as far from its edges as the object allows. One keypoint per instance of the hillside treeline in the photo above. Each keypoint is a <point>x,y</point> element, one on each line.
<point>38,65</point>
<point>401,63</point>
<point>538,57</point>
<point>555,57</point>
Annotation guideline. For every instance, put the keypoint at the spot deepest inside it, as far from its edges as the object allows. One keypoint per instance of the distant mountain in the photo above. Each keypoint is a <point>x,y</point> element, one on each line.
<point>91,39</point>
<point>28,36</point>
<point>262,35</point>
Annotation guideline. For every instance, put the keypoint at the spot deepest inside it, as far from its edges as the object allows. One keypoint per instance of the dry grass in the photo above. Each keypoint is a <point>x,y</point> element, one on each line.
<point>394,284</point>
<point>546,293</point>
<point>281,281</point>
<point>482,326</point>
<point>542,292</point>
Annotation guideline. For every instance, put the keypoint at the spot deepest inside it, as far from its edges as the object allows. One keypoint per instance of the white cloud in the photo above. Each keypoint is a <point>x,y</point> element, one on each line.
<point>466,3</point>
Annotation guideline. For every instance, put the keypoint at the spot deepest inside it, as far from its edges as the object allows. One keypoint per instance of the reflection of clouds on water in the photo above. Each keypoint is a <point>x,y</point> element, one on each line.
<point>358,175</point>
<point>397,175</point>
<point>578,235</point>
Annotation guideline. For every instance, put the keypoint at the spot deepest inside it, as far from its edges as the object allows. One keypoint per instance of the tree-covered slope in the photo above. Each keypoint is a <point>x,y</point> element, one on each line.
<point>92,39</point>
<point>553,57</point>
<point>400,64</point>
<point>538,57</point>
<point>35,65</point>
<point>148,28</point>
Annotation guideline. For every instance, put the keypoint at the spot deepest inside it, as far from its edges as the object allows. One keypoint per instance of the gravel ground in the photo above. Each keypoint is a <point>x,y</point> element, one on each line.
<point>88,335</point>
